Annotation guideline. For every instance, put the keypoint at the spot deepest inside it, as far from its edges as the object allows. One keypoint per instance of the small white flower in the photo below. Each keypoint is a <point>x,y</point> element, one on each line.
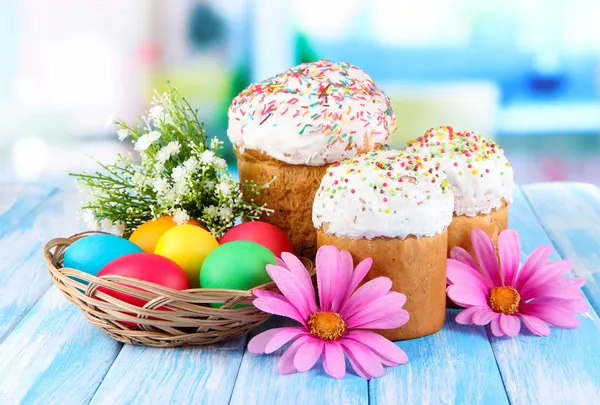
<point>211,211</point>
<point>180,188</point>
<point>179,174</point>
<point>159,167</point>
<point>145,141</point>
<point>161,185</point>
<point>191,164</point>
<point>157,113</point>
<point>215,143</point>
<point>123,133</point>
<point>118,228</point>
<point>220,163</point>
<point>165,153</point>
<point>210,185</point>
<point>180,217</point>
<point>224,188</point>
<point>207,157</point>
<point>225,213</point>
<point>106,224</point>
<point>90,219</point>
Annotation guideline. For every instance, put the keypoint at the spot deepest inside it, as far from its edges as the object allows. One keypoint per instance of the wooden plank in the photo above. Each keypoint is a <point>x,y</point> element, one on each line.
<point>16,201</point>
<point>54,356</point>
<point>259,382</point>
<point>453,366</point>
<point>570,215</point>
<point>563,368</point>
<point>23,274</point>
<point>191,375</point>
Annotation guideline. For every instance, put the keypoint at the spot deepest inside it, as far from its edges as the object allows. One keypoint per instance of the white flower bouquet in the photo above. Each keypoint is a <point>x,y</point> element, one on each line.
<point>178,173</point>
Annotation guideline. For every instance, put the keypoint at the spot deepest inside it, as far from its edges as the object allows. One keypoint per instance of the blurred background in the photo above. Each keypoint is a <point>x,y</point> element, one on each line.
<point>526,72</point>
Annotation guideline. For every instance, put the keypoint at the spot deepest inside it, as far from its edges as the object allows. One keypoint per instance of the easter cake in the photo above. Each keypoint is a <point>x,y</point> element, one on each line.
<point>481,178</point>
<point>395,208</point>
<point>288,128</point>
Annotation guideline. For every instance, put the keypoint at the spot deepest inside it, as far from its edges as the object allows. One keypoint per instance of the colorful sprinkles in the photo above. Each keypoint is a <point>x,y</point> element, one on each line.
<point>316,96</point>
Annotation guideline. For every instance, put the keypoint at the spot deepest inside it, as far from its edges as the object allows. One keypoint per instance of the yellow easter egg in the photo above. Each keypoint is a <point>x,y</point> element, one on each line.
<point>147,235</point>
<point>188,246</point>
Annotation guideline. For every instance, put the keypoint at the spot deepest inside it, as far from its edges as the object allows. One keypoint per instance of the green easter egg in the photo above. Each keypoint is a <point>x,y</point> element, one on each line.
<point>237,265</point>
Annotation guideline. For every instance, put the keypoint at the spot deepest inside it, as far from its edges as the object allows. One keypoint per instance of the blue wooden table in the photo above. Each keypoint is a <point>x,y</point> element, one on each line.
<point>50,354</point>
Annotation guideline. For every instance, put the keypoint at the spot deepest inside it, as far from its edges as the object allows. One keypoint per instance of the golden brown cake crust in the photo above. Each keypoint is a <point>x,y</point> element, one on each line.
<point>417,268</point>
<point>459,231</point>
<point>291,195</point>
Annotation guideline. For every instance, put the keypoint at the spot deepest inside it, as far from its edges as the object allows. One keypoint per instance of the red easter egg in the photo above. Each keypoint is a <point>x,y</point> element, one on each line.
<point>147,267</point>
<point>262,233</point>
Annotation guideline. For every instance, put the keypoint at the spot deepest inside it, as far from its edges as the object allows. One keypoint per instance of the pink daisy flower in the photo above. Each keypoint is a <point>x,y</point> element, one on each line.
<point>495,290</point>
<point>336,328</point>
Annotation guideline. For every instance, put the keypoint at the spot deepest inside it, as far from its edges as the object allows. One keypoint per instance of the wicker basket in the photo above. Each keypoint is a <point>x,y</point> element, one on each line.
<point>169,318</point>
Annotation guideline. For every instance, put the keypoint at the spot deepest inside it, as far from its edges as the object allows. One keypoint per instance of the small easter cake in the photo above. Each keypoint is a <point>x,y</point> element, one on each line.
<point>393,207</point>
<point>292,126</point>
<point>481,178</point>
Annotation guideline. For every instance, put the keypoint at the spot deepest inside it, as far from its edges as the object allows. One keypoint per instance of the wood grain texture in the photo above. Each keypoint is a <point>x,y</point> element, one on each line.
<point>54,356</point>
<point>570,215</point>
<point>563,368</point>
<point>453,366</point>
<point>16,201</point>
<point>191,375</point>
<point>23,274</point>
<point>259,382</point>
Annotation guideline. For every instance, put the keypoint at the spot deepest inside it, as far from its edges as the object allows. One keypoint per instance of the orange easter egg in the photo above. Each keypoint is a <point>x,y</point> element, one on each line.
<point>147,235</point>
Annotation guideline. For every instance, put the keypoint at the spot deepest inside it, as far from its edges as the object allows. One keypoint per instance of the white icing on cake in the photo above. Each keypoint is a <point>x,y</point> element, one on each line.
<point>481,176</point>
<point>383,194</point>
<point>312,114</point>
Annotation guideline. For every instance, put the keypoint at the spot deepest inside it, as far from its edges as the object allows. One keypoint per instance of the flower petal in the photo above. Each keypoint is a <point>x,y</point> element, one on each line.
<point>539,255</point>
<point>327,262</point>
<point>459,273</point>
<point>387,307</point>
<point>283,336</point>
<point>308,354</point>
<point>259,342</point>
<point>285,365</point>
<point>258,293</point>
<point>367,293</point>
<point>385,349</point>
<point>509,251</point>
<point>577,306</point>
<point>296,267</point>
<point>554,290</point>
<point>554,314</point>
<point>536,325</point>
<point>495,326</point>
<point>359,274</point>
<point>334,362</point>
<point>483,316</point>
<point>485,253</point>
<point>548,272</point>
<point>460,254</point>
<point>466,296</point>
<point>465,317</point>
<point>510,324</point>
<point>367,360</point>
<point>290,286</point>
<point>342,278</point>
<point>278,307</point>
<point>356,366</point>
<point>573,282</point>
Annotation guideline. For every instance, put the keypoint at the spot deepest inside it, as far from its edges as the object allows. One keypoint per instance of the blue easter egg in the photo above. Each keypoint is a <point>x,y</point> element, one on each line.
<point>92,253</point>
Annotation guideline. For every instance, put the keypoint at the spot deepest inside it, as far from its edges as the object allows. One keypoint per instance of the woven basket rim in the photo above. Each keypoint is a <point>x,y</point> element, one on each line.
<point>159,322</point>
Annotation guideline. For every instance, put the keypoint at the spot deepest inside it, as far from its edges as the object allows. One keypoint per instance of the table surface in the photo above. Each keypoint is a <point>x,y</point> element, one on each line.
<point>50,354</point>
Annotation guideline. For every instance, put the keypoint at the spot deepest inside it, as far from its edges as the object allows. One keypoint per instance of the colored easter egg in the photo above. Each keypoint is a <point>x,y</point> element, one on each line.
<point>188,246</point>
<point>147,235</point>
<point>147,267</point>
<point>262,233</point>
<point>237,265</point>
<point>91,253</point>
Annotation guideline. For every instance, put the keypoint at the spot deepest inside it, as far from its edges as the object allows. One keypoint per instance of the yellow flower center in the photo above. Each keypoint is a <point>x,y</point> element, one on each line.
<point>504,299</point>
<point>326,325</point>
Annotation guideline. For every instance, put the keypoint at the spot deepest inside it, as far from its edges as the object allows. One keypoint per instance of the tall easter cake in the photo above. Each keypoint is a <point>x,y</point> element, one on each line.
<point>290,127</point>
<point>481,177</point>
<point>395,208</point>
